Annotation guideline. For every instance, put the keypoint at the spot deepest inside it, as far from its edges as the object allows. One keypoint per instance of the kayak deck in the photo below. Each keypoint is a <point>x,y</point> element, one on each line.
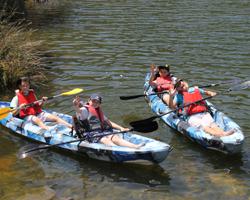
<point>153,151</point>
<point>227,144</point>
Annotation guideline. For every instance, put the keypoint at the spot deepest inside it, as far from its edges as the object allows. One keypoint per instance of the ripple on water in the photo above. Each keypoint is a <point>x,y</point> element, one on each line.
<point>97,46</point>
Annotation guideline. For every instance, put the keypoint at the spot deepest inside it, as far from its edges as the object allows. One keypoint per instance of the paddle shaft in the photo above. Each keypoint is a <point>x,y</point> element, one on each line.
<point>49,98</point>
<point>189,104</point>
<point>72,92</point>
<point>235,81</point>
<point>72,141</point>
<point>136,124</point>
<point>158,116</point>
<point>141,95</point>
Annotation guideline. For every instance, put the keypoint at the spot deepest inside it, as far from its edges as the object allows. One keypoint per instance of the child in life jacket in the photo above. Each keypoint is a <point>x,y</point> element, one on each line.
<point>33,113</point>
<point>197,114</point>
<point>162,81</point>
<point>91,119</point>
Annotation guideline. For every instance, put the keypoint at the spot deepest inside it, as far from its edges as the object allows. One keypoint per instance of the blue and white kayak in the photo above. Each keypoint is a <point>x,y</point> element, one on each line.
<point>152,152</point>
<point>227,144</point>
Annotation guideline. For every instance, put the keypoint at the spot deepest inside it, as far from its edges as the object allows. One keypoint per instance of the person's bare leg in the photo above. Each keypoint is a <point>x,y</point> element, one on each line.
<point>166,98</point>
<point>121,142</point>
<point>107,141</point>
<point>217,128</point>
<point>39,122</point>
<point>57,119</point>
<point>216,131</point>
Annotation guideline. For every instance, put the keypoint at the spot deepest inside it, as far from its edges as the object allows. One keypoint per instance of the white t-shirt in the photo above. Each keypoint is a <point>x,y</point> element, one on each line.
<point>84,114</point>
<point>14,102</point>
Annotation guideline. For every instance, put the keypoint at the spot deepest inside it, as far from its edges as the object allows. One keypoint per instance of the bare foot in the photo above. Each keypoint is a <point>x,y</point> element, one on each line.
<point>140,145</point>
<point>230,132</point>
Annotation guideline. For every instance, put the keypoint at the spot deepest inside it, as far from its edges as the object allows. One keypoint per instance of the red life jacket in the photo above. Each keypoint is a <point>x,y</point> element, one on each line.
<point>30,98</point>
<point>192,97</point>
<point>95,113</point>
<point>163,83</point>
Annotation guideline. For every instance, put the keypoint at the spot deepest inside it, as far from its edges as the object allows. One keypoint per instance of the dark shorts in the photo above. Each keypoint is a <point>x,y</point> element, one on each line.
<point>96,136</point>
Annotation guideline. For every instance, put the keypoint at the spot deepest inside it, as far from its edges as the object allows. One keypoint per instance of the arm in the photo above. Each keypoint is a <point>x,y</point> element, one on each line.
<point>40,102</point>
<point>206,92</point>
<point>209,93</point>
<point>77,104</point>
<point>202,91</point>
<point>81,112</point>
<point>152,75</point>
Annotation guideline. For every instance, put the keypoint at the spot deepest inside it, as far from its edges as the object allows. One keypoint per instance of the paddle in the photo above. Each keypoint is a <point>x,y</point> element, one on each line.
<point>235,81</point>
<point>140,95</point>
<point>139,129</point>
<point>242,86</point>
<point>6,110</point>
<point>148,121</point>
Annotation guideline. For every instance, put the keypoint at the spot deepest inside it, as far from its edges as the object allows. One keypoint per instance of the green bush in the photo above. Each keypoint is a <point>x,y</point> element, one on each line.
<point>19,54</point>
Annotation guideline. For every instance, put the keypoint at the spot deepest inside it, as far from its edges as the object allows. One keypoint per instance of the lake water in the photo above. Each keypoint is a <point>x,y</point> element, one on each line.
<point>107,47</point>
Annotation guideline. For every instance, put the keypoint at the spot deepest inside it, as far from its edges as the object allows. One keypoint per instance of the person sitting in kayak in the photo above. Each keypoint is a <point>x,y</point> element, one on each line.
<point>197,114</point>
<point>162,81</point>
<point>90,119</point>
<point>34,113</point>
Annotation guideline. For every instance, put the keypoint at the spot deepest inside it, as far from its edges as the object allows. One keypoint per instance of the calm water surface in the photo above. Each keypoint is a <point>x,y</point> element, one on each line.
<point>107,47</point>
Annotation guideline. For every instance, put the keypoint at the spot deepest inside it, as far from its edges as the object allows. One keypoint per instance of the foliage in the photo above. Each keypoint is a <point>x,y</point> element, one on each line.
<point>19,54</point>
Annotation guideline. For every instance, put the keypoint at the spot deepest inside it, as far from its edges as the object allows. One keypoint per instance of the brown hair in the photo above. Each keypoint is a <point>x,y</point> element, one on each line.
<point>22,79</point>
<point>163,67</point>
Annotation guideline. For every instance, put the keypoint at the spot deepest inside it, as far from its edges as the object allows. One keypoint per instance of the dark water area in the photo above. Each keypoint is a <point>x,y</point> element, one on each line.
<point>107,47</point>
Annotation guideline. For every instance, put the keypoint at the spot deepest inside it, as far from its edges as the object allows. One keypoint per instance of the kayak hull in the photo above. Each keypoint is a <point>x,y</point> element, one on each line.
<point>152,152</point>
<point>231,144</point>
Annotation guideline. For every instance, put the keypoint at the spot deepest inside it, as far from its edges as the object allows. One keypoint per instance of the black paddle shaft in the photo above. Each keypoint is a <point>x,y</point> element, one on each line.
<point>46,146</point>
<point>234,81</point>
<point>144,129</point>
<point>141,95</point>
<point>149,120</point>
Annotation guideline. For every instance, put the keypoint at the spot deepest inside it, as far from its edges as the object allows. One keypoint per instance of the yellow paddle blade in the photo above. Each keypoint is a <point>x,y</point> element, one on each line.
<point>4,112</point>
<point>72,92</point>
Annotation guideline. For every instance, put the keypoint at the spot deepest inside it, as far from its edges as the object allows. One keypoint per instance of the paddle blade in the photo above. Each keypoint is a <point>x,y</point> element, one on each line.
<point>143,122</point>
<point>225,82</point>
<point>4,112</point>
<point>72,92</point>
<point>24,151</point>
<point>146,128</point>
<point>241,86</point>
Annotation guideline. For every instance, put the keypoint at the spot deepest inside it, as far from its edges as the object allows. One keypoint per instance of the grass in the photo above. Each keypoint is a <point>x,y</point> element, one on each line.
<point>20,55</point>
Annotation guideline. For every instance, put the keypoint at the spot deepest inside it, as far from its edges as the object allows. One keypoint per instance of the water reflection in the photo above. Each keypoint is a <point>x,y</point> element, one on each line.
<point>96,46</point>
<point>76,177</point>
<point>149,175</point>
<point>217,160</point>
<point>15,173</point>
<point>46,13</point>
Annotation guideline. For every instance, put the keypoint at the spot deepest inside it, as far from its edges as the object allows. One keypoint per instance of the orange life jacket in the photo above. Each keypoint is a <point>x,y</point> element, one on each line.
<point>96,118</point>
<point>192,97</point>
<point>163,83</point>
<point>30,98</point>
